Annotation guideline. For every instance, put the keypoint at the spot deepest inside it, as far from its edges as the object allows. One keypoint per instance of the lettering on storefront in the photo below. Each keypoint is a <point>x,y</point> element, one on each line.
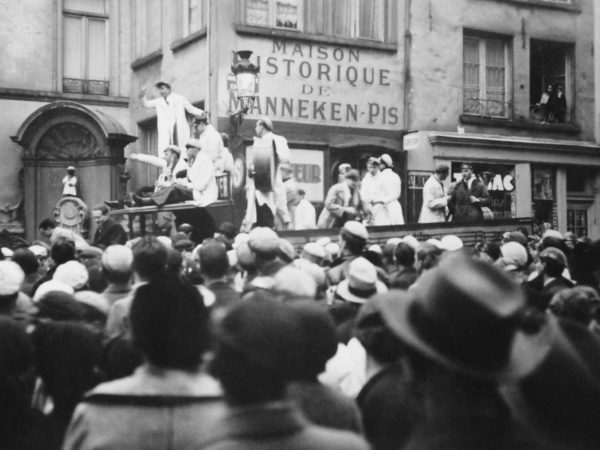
<point>332,85</point>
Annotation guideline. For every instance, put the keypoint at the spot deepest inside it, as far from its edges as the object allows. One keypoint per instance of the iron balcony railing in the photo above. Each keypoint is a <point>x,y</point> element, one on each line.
<point>488,108</point>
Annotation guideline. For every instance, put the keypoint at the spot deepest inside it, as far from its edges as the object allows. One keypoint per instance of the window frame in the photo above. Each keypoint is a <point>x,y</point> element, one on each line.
<point>387,27</point>
<point>140,25</point>
<point>85,80</point>
<point>508,102</point>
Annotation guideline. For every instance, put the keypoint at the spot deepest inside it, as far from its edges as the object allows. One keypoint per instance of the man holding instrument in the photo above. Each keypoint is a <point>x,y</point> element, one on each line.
<point>267,200</point>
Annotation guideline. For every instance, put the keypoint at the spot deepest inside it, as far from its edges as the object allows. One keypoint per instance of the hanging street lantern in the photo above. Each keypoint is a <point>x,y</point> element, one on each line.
<point>246,75</point>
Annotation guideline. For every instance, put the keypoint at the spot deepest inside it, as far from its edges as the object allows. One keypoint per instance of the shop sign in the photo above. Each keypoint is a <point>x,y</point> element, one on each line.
<point>318,83</point>
<point>308,172</point>
<point>417,178</point>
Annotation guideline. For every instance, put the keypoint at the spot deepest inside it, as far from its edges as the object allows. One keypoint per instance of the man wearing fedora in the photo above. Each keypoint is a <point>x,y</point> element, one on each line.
<point>435,197</point>
<point>465,334</point>
<point>468,197</point>
<point>172,124</point>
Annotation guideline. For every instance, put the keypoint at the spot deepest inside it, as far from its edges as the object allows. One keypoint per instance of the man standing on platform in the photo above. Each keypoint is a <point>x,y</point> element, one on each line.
<point>468,197</point>
<point>173,127</point>
<point>435,198</point>
<point>263,206</point>
<point>211,142</point>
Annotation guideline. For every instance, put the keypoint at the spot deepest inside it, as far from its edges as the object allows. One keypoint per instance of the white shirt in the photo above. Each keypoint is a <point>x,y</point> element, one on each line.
<point>305,217</point>
<point>212,143</point>
<point>201,178</point>
<point>171,112</point>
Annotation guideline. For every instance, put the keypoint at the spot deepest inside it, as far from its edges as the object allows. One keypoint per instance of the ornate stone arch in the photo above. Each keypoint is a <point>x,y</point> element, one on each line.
<point>66,133</point>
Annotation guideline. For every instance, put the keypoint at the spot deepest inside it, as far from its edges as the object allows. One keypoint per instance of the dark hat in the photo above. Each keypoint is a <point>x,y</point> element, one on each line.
<point>228,229</point>
<point>162,83</point>
<point>466,315</point>
<point>555,254</point>
<point>352,174</point>
<point>57,305</point>
<point>266,333</point>
<point>373,160</point>
<point>517,236</point>
<point>442,168</point>
<point>466,165</point>
<point>183,245</point>
<point>560,400</point>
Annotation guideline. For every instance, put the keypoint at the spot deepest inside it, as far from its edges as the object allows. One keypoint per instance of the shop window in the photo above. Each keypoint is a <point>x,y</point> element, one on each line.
<point>579,180</point>
<point>85,47</point>
<point>363,19</point>
<point>551,89</point>
<point>148,26</point>
<point>577,220</point>
<point>486,76</point>
<point>544,181</point>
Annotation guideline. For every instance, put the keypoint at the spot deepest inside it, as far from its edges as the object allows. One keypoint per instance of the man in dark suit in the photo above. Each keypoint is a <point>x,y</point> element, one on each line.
<point>108,232</point>
<point>468,197</point>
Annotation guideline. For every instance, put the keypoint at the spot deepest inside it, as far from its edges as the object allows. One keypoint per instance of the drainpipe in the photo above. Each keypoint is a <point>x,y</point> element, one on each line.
<point>407,73</point>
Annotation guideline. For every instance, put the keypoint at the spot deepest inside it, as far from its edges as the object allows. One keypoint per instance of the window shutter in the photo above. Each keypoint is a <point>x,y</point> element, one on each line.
<point>73,46</point>
<point>495,77</point>
<point>97,63</point>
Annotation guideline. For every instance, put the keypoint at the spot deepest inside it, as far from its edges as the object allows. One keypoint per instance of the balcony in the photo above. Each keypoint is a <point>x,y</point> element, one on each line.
<point>491,109</point>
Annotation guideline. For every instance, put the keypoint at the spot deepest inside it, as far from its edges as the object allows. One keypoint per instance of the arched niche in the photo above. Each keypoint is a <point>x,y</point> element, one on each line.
<point>65,133</point>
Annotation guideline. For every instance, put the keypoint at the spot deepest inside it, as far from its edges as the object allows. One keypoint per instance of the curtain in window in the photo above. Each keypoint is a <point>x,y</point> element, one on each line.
<point>195,15</point>
<point>257,12</point>
<point>97,61</point>
<point>494,74</point>
<point>73,47</point>
<point>286,14</point>
<point>471,75</point>
<point>315,20</point>
<point>153,25</point>
<point>369,19</point>
<point>342,20</point>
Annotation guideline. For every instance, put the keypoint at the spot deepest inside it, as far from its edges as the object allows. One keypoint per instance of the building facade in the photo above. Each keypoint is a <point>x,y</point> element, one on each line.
<point>342,80</point>
<point>477,76</point>
<point>64,96</point>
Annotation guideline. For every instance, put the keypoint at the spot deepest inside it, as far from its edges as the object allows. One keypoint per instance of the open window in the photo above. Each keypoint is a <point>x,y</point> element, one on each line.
<point>551,82</point>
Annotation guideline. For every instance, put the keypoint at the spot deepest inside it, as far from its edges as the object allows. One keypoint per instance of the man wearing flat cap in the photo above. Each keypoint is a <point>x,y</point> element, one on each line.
<point>198,185</point>
<point>264,206</point>
<point>435,197</point>
<point>173,127</point>
<point>468,197</point>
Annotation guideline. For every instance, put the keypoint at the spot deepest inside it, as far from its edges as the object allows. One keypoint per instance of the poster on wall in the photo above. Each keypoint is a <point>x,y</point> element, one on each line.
<point>308,170</point>
<point>500,182</point>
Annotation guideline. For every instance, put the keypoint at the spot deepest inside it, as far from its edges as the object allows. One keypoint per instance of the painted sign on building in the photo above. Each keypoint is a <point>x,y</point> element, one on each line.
<point>320,83</point>
<point>500,182</point>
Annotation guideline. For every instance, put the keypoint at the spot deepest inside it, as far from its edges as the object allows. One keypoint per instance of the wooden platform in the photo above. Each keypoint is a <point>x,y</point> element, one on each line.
<point>470,233</point>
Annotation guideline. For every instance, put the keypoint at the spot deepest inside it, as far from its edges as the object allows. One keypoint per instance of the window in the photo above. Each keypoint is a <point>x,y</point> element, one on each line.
<point>85,47</point>
<point>363,19</point>
<point>577,220</point>
<point>551,82</point>
<point>193,16</point>
<point>486,77</point>
<point>148,26</point>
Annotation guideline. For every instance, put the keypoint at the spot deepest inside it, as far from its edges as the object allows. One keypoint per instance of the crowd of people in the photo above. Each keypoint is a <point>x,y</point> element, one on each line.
<point>244,340</point>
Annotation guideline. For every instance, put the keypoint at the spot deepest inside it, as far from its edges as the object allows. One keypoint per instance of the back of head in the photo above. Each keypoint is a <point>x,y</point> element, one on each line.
<point>257,348</point>
<point>149,258</point>
<point>428,255</point>
<point>404,254</point>
<point>169,324</point>
<point>62,250</point>
<point>27,260</point>
<point>117,263</point>
<point>578,304</point>
<point>321,338</point>
<point>213,259</point>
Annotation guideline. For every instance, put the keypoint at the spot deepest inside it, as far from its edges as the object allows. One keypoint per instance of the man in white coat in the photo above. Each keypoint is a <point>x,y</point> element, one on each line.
<point>391,186</point>
<point>173,127</point>
<point>211,142</point>
<point>262,205</point>
<point>435,197</point>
